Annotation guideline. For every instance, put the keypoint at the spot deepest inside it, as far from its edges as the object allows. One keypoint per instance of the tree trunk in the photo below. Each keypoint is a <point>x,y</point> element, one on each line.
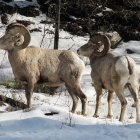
<point>57,22</point>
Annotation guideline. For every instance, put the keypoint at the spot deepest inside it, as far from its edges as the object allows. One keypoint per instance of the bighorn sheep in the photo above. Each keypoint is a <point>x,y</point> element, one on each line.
<point>114,73</point>
<point>33,65</point>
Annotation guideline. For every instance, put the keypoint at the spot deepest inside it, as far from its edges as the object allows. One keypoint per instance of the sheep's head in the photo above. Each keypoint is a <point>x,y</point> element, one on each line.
<point>17,36</point>
<point>98,45</point>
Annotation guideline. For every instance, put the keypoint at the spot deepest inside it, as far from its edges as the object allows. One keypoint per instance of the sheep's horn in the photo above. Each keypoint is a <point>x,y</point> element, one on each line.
<point>103,44</point>
<point>15,28</point>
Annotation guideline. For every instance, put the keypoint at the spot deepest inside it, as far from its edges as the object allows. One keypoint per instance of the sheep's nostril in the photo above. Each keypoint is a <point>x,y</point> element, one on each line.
<point>77,50</point>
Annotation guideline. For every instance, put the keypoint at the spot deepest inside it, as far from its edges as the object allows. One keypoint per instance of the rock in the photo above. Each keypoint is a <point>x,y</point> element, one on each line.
<point>129,51</point>
<point>2,103</point>
<point>4,19</point>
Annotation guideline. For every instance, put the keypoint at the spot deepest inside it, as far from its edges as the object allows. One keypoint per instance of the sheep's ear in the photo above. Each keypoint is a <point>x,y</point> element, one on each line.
<point>18,41</point>
<point>101,47</point>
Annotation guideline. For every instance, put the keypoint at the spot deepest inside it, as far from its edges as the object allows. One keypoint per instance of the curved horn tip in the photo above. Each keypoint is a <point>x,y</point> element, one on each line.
<point>14,24</point>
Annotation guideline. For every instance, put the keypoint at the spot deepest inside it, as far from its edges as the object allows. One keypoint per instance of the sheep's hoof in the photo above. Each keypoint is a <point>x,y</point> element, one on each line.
<point>109,116</point>
<point>138,121</point>
<point>120,120</point>
<point>134,105</point>
<point>95,115</point>
<point>83,112</point>
<point>72,111</point>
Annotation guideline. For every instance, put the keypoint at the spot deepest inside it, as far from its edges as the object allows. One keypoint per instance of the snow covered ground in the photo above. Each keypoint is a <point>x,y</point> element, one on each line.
<point>34,124</point>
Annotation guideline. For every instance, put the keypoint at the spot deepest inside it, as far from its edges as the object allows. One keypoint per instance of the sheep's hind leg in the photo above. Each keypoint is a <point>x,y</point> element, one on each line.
<point>109,99</point>
<point>83,99</point>
<point>134,93</point>
<point>74,98</point>
<point>123,101</point>
<point>77,93</point>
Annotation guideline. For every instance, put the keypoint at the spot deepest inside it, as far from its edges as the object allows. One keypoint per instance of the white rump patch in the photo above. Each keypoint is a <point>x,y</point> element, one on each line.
<point>122,65</point>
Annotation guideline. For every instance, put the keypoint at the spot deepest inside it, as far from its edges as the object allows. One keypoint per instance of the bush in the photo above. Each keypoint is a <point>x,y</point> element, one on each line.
<point>38,87</point>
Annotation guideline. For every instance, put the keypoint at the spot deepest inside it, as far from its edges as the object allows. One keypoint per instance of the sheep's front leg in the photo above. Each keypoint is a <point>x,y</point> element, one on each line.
<point>28,92</point>
<point>98,101</point>
<point>109,99</point>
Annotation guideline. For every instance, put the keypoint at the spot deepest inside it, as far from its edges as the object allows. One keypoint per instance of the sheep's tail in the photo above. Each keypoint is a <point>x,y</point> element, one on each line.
<point>130,66</point>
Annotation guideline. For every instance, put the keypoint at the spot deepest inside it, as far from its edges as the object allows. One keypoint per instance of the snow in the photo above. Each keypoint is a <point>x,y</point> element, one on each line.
<point>33,124</point>
<point>22,3</point>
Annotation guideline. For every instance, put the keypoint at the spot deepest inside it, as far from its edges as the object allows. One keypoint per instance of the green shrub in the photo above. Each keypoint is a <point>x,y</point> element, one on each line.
<point>38,87</point>
<point>79,113</point>
<point>45,89</point>
<point>11,83</point>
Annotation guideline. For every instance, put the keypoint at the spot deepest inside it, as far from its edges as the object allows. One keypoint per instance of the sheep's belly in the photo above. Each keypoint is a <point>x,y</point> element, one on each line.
<point>53,84</point>
<point>50,81</point>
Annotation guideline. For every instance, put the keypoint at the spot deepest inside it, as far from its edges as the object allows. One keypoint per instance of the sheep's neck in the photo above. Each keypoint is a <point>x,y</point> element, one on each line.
<point>93,59</point>
<point>15,55</point>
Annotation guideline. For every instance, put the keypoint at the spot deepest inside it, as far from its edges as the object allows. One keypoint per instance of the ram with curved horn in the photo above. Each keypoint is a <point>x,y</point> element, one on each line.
<point>33,65</point>
<point>114,73</point>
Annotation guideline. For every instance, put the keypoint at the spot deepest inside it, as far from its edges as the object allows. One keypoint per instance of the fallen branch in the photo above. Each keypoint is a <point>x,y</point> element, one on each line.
<point>12,102</point>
